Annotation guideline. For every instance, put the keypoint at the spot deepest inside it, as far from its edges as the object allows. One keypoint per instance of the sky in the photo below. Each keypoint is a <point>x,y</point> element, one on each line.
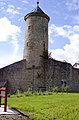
<point>63,29</point>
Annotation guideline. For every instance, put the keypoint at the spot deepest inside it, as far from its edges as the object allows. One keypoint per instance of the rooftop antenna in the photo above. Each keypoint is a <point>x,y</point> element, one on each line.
<point>37,2</point>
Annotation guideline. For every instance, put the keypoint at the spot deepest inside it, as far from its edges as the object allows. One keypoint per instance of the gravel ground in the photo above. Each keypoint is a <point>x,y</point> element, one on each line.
<point>13,117</point>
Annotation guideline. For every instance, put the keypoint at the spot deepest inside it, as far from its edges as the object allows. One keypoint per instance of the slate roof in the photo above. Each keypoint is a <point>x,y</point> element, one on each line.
<point>38,9</point>
<point>35,12</point>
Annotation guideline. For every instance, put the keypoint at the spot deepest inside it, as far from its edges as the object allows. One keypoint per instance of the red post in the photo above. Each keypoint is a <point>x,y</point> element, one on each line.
<point>5,100</point>
<point>4,95</point>
<point>0,98</point>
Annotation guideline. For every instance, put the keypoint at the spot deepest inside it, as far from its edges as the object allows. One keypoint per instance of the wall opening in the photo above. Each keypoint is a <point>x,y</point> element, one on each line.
<point>27,44</point>
<point>63,83</point>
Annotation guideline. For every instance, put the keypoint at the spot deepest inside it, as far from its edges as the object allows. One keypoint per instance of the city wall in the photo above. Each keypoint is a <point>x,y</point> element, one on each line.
<point>54,73</point>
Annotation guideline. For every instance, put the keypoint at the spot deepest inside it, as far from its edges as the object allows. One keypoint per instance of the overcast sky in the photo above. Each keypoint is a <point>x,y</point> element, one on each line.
<point>63,29</point>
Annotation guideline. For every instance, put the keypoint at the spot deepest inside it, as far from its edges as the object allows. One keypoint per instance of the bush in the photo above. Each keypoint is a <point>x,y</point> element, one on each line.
<point>8,95</point>
<point>29,92</point>
<point>55,89</point>
<point>40,93</point>
<point>19,93</point>
<point>65,88</point>
<point>49,93</point>
<point>35,93</point>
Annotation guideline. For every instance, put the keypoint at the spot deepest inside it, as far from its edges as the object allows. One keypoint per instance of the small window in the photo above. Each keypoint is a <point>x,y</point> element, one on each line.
<point>46,29</point>
<point>27,44</point>
<point>29,27</point>
<point>44,44</point>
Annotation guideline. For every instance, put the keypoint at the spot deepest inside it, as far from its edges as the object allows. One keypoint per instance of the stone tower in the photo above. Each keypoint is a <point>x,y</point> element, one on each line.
<point>36,36</point>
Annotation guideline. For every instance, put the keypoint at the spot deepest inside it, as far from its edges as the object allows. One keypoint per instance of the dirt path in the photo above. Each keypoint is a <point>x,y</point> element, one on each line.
<point>13,117</point>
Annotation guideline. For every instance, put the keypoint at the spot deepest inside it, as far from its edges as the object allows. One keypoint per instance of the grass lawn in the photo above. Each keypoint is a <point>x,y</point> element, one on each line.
<point>61,106</point>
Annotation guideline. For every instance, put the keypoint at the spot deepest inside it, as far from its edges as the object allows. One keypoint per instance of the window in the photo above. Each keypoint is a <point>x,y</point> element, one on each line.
<point>44,45</point>
<point>29,27</point>
<point>27,44</point>
<point>46,29</point>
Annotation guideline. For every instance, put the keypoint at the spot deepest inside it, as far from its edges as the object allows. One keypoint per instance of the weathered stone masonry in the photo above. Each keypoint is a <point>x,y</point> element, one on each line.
<point>20,77</point>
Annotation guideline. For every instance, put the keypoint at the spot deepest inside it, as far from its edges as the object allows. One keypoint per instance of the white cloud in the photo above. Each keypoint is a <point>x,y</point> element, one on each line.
<point>8,30</point>
<point>72,5</point>
<point>25,1</point>
<point>2,8</point>
<point>11,10</point>
<point>70,52</point>
<point>9,60</point>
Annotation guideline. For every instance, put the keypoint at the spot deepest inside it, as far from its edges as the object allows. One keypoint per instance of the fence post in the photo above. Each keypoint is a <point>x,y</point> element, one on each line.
<point>5,100</point>
<point>0,98</point>
<point>4,88</point>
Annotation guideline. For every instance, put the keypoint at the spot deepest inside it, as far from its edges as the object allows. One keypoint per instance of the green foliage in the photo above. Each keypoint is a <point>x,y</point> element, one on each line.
<point>8,95</point>
<point>47,93</point>
<point>50,93</point>
<point>65,88</point>
<point>28,93</point>
<point>48,107</point>
<point>35,93</point>
<point>40,93</point>
<point>19,93</point>
<point>55,89</point>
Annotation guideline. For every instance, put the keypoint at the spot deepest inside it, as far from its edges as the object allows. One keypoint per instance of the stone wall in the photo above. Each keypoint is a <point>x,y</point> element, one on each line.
<point>14,74</point>
<point>20,77</point>
<point>58,72</point>
<point>52,73</point>
<point>74,83</point>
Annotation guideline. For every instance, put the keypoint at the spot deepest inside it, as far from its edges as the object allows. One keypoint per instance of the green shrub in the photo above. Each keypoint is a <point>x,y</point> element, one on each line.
<point>49,93</point>
<point>19,93</point>
<point>35,93</point>
<point>9,95</point>
<point>55,89</point>
<point>65,88</point>
<point>28,92</point>
<point>40,93</point>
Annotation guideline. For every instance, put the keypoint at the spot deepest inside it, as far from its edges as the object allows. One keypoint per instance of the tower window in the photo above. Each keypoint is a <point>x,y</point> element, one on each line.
<point>46,29</point>
<point>27,44</point>
<point>29,27</point>
<point>44,45</point>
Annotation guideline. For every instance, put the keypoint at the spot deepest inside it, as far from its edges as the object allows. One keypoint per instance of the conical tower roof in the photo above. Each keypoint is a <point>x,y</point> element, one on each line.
<point>37,11</point>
